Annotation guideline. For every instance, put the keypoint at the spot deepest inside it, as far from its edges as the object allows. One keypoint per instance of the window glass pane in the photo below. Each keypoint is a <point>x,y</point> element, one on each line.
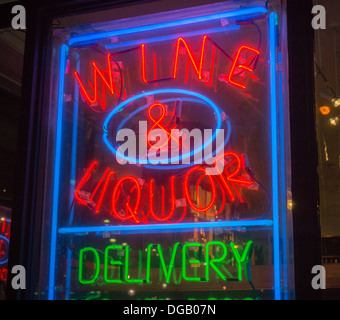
<point>167,173</point>
<point>327,86</point>
<point>12,43</point>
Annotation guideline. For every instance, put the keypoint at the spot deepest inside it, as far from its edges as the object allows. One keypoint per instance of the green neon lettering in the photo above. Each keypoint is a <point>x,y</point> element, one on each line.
<point>167,272</point>
<point>244,261</point>
<point>211,262</point>
<point>148,262</point>
<point>221,265</point>
<point>112,263</point>
<point>214,258</point>
<point>128,279</point>
<point>191,261</point>
<point>174,277</point>
<point>97,261</point>
<point>140,262</point>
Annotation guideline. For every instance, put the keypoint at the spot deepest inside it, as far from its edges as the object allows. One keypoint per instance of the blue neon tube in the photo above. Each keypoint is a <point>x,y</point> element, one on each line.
<point>125,120</point>
<point>274,147</point>
<point>150,93</point>
<point>283,185</point>
<point>56,178</point>
<point>274,143</point>
<point>168,24</point>
<point>175,226</point>
<point>133,43</point>
<point>73,175</point>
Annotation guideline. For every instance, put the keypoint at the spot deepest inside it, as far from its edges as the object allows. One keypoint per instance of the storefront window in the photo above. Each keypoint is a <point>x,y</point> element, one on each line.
<point>5,230</point>
<point>167,162</point>
<point>12,43</point>
<point>327,44</point>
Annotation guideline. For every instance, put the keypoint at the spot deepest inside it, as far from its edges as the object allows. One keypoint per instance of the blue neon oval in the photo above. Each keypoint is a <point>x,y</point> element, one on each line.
<point>162,91</point>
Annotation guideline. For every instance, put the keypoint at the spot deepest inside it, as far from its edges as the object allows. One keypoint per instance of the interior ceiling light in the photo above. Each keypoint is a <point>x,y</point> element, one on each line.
<point>334,121</point>
<point>334,100</point>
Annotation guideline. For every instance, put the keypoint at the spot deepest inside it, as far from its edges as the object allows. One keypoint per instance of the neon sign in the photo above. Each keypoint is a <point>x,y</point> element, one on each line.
<point>5,227</point>
<point>184,95</point>
<point>244,63</point>
<point>197,265</point>
<point>137,196</point>
<point>3,274</point>
<point>168,85</point>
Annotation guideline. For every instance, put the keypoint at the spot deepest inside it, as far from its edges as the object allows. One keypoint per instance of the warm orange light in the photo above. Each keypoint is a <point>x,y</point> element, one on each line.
<point>325,110</point>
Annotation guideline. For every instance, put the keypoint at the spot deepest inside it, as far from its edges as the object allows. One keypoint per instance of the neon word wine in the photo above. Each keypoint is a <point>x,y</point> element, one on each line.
<point>240,67</point>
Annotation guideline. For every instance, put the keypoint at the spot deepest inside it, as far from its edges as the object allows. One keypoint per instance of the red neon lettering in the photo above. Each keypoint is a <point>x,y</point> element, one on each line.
<point>158,123</point>
<point>154,69</point>
<point>226,182</point>
<point>106,83</point>
<point>115,196</point>
<point>101,197</point>
<point>143,64</point>
<point>199,197</point>
<point>187,191</point>
<point>3,274</point>
<point>197,65</point>
<point>245,60</point>
<point>211,68</point>
<point>151,197</point>
<point>86,177</point>
<point>234,177</point>
<point>247,64</point>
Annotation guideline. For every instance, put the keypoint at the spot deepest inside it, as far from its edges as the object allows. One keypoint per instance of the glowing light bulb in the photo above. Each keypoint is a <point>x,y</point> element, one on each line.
<point>131,292</point>
<point>290,204</point>
<point>334,121</point>
<point>336,102</point>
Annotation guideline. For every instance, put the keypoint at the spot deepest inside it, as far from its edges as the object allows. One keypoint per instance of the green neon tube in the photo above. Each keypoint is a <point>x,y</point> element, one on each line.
<point>112,263</point>
<point>126,269</point>
<point>191,261</point>
<point>244,260</point>
<point>81,258</point>
<point>211,262</point>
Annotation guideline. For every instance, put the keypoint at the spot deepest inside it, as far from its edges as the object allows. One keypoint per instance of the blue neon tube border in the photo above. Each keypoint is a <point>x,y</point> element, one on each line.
<point>274,136</point>
<point>175,226</point>
<point>283,185</point>
<point>73,175</point>
<point>275,177</point>
<point>168,24</point>
<point>56,178</point>
<point>120,45</point>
